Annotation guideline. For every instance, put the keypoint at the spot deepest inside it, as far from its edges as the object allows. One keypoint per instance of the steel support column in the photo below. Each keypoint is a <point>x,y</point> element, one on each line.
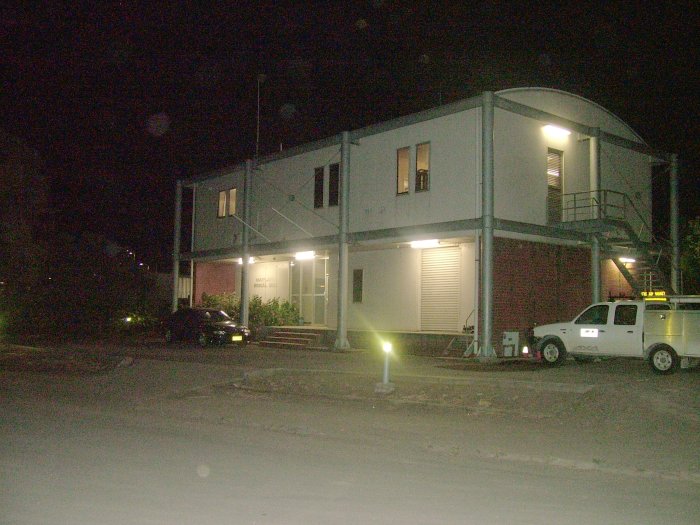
<point>176,244</point>
<point>594,169</point>
<point>675,239</point>
<point>487,210</point>
<point>341,340</point>
<point>247,196</point>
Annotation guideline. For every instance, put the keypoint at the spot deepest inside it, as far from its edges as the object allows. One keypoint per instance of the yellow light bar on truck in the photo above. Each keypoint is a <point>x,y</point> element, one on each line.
<point>658,295</point>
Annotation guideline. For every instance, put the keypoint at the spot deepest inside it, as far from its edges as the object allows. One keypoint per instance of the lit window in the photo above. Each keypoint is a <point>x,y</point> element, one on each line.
<point>333,184</point>
<point>232,201</point>
<point>402,165</point>
<point>423,167</point>
<point>554,186</point>
<point>222,205</point>
<point>318,188</point>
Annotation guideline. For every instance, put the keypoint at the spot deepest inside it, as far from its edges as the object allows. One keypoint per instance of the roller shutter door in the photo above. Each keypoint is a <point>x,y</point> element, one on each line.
<point>440,289</point>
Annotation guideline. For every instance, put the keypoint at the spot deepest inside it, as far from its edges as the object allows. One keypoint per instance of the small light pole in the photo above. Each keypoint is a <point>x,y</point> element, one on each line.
<point>387,350</point>
<point>385,387</point>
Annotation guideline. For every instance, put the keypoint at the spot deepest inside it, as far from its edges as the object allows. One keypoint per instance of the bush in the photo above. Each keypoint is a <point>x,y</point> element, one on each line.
<point>270,313</point>
<point>229,302</point>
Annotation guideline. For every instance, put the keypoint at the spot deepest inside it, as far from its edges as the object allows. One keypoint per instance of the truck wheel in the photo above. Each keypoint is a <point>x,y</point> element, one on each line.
<point>664,360</point>
<point>553,352</point>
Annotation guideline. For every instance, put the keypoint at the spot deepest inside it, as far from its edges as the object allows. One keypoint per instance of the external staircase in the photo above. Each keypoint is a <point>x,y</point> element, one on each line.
<point>609,215</point>
<point>294,338</point>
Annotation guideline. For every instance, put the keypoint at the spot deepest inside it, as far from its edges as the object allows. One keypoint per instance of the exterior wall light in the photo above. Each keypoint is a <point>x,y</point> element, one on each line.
<point>625,260</point>
<point>429,243</point>
<point>555,131</point>
<point>385,387</point>
<point>303,256</point>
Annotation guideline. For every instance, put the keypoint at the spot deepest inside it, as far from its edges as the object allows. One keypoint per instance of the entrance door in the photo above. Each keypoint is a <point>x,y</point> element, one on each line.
<point>309,289</point>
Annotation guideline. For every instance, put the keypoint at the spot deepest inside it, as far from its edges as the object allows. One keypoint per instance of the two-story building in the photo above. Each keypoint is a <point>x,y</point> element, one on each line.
<point>500,212</point>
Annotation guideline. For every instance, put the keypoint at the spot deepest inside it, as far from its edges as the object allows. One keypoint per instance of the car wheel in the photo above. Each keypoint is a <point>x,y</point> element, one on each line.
<point>202,339</point>
<point>553,352</point>
<point>664,360</point>
<point>168,337</point>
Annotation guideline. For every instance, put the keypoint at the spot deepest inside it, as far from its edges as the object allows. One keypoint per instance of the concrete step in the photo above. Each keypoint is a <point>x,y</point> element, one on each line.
<point>285,337</point>
<point>283,345</point>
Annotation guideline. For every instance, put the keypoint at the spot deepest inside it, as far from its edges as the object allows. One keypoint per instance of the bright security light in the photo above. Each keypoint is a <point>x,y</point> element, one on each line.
<point>386,346</point>
<point>303,256</point>
<point>627,260</point>
<point>556,131</point>
<point>429,243</point>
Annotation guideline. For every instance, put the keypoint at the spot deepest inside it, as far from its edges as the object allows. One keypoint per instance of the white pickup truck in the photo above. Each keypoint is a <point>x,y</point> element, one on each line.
<point>665,333</point>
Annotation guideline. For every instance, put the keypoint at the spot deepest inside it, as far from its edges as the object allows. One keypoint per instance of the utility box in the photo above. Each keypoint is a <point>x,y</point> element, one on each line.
<point>511,344</point>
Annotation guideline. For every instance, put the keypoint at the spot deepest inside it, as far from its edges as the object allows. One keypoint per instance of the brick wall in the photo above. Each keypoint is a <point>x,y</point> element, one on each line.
<point>537,283</point>
<point>213,278</point>
<point>614,285</point>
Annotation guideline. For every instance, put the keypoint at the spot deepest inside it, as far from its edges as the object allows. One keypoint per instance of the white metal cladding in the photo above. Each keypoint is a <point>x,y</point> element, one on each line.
<point>440,289</point>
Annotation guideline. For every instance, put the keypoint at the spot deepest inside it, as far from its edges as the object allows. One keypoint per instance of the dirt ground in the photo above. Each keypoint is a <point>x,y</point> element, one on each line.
<point>613,413</point>
<point>271,436</point>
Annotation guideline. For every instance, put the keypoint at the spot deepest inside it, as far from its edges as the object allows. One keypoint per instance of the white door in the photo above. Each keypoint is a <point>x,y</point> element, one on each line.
<point>589,332</point>
<point>625,332</point>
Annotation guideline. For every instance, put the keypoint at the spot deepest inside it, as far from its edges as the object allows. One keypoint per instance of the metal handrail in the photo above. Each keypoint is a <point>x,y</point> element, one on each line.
<point>610,204</point>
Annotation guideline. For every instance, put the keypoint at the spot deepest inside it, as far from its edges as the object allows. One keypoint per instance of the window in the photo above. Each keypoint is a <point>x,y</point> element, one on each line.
<point>626,314</point>
<point>333,184</point>
<point>222,205</point>
<point>423,167</point>
<point>554,176</point>
<point>232,201</point>
<point>227,203</point>
<point>597,314</point>
<point>318,188</point>
<point>357,286</point>
<point>402,165</point>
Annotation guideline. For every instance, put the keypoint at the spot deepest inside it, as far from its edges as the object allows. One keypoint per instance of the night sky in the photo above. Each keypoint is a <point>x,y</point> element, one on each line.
<point>120,98</point>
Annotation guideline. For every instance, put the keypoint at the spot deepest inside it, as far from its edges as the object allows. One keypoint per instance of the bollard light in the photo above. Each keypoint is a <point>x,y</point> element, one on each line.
<point>385,387</point>
<point>387,350</point>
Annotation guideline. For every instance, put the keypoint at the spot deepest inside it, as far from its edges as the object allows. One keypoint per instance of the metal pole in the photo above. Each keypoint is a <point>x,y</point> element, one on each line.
<point>595,269</point>
<point>675,239</point>
<point>595,178</point>
<point>341,341</point>
<point>247,195</point>
<point>487,199</point>
<point>385,376</point>
<point>192,265</point>
<point>176,244</point>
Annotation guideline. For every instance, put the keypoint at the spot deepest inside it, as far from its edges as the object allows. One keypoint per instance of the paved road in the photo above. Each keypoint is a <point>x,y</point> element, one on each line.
<point>181,442</point>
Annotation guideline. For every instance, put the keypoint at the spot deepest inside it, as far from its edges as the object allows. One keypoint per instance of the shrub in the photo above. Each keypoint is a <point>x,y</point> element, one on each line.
<point>270,313</point>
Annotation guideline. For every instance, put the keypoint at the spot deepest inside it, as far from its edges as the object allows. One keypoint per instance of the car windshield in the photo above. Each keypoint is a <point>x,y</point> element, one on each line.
<point>215,315</point>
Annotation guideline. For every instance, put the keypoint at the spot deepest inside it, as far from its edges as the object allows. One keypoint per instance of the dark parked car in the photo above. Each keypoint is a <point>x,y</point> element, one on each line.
<point>204,326</point>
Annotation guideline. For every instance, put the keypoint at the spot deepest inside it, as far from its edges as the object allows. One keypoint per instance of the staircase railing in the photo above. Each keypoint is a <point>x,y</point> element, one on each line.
<point>617,206</point>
